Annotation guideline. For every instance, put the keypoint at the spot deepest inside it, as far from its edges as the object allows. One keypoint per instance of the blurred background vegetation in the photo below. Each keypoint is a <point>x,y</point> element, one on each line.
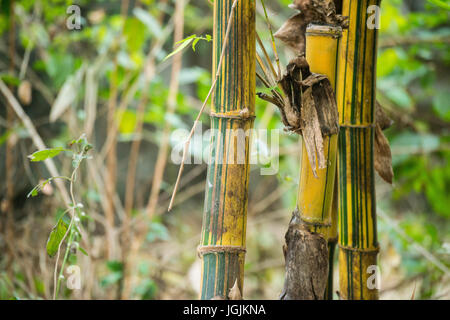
<point>72,74</point>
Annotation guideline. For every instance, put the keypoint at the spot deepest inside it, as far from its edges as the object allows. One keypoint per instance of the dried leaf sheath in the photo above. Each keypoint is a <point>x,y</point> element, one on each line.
<point>222,246</point>
<point>356,101</point>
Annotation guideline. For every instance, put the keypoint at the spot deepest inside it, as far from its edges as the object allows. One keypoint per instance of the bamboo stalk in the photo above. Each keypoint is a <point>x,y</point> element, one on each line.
<point>356,102</point>
<point>332,240</point>
<point>222,247</point>
<point>316,198</point>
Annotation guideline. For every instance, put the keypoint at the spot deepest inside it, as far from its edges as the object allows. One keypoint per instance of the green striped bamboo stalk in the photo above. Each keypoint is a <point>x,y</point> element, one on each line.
<point>356,102</point>
<point>222,247</point>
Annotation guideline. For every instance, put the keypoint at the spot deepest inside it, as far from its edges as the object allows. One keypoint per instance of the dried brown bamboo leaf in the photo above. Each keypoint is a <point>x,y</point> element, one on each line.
<point>292,33</point>
<point>291,85</point>
<point>311,132</point>
<point>235,293</point>
<point>381,117</point>
<point>319,11</point>
<point>325,103</point>
<point>309,108</point>
<point>382,156</point>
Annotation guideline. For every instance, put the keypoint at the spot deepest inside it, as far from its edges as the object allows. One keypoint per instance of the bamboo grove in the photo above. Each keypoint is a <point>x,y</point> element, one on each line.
<point>336,194</point>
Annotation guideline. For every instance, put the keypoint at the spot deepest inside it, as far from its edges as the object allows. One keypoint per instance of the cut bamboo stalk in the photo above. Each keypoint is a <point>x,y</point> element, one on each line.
<point>317,197</point>
<point>222,247</point>
<point>356,102</point>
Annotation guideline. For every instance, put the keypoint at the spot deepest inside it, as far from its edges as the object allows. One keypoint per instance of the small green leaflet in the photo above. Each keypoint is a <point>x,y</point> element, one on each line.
<point>56,236</point>
<point>186,42</point>
<point>9,80</point>
<point>83,251</point>
<point>40,186</point>
<point>45,154</point>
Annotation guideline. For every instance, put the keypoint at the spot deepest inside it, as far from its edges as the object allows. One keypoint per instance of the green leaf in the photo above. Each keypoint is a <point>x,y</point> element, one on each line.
<point>179,48</point>
<point>114,265</point>
<point>56,236</point>
<point>34,192</point>
<point>195,43</point>
<point>45,154</point>
<point>9,79</point>
<point>83,251</point>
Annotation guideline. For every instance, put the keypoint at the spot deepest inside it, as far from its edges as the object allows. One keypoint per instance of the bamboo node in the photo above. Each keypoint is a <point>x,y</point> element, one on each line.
<point>324,30</point>
<point>359,126</point>
<point>361,250</point>
<point>202,250</point>
<point>316,223</point>
<point>243,115</point>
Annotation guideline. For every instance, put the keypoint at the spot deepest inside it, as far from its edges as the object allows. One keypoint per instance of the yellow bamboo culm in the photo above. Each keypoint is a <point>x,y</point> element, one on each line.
<point>316,197</point>
<point>222,247</point>
<point>358,245</point>
<point>315,194</point>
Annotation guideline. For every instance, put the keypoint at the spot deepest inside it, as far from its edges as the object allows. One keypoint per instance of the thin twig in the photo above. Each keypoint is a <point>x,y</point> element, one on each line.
<point>72,219</point>
<point>219,69</point>
<point>277,59</point>
<point>266,55</point>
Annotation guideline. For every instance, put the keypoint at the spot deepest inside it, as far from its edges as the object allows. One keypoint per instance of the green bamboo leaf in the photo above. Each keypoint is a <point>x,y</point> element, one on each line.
<point>186,43</point>
<point>45,154</point>
<point>83,251</point>
<point>56,236</point>
<point>195,43</point>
